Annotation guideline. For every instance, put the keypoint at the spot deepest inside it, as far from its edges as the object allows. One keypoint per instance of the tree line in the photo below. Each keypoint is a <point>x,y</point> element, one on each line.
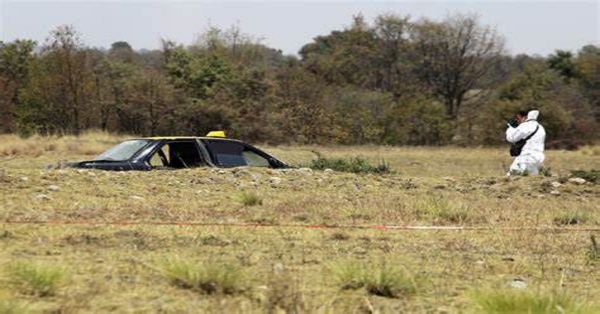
<point>393,80</point>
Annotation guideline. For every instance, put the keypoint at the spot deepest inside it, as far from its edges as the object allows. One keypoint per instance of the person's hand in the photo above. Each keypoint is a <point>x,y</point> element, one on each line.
<point>513,123</point>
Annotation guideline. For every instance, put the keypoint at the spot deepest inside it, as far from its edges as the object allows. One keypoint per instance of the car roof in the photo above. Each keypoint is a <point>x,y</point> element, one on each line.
<point>160,138</point>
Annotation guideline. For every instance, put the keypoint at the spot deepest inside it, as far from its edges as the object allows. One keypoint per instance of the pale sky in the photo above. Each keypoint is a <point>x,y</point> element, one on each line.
<point>533,27</point>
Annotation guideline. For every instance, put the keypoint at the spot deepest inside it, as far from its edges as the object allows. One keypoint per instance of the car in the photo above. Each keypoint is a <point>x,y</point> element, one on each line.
<point>180,152</point>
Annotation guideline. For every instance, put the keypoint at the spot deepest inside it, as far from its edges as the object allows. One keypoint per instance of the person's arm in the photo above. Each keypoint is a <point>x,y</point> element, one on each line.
<point>514,135</point>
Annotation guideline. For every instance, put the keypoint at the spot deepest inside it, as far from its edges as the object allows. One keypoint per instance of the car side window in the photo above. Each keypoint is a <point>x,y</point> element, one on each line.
<point>255,160</point>
<point>161,157</point>
<point>227,154</point>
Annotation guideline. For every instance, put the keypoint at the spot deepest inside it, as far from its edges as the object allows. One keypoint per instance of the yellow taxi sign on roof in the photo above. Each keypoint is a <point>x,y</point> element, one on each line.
<point>216,134</point>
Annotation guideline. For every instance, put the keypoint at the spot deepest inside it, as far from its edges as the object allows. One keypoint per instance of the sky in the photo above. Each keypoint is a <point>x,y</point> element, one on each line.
<point>532,27</point>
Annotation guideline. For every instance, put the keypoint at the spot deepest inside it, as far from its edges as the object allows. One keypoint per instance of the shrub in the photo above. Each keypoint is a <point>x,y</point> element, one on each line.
<point>250,199</point>
<point>589,175</point>
<point>36,279</point>
<point>517,301</point>
<point>354,165</point>
<point>213,278</point>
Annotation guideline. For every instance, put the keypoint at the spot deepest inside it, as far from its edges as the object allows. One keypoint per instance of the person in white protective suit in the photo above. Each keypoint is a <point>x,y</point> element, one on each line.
<point>533,134</point>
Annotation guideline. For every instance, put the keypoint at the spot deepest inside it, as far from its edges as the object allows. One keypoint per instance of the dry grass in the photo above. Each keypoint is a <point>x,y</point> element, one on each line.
<point>289,268</point>
<point>90,143</point>
<point>515,301</point>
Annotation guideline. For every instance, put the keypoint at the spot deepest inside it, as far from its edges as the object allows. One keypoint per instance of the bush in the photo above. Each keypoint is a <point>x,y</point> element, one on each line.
<point>514,301</point>
<point>36,279</point>
<point>213,278</point>
<point>354,165</point>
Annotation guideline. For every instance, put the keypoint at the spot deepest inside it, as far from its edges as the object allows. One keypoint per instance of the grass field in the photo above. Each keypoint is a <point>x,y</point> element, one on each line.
<point>245,240</point>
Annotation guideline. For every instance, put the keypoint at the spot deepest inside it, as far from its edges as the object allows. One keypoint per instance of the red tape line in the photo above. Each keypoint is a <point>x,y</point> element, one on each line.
<point>248,225</point>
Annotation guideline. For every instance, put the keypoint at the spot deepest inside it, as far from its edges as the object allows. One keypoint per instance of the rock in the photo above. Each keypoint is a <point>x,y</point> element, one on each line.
<point>278,268</point>
<point>275,180</point>
<point>555,184</point>
<point>24,179</point>
<point>53,188</point>
<point>577,181</point>
<point>42,197</point>
<point>555,192</point>
<point>305,171</point>
<point>328,170</point>
<point>518,283</point>
<point>137,198</point>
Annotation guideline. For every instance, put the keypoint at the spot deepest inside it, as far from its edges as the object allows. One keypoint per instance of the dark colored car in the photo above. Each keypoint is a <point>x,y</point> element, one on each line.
<point>180,152</point>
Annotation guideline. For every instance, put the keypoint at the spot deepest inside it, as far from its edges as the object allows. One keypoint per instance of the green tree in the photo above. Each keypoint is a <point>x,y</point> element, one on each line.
<point>15,59</point>
<point>562,62</point>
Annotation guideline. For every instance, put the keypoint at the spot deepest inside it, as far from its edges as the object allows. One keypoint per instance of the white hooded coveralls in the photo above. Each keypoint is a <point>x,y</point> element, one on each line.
<point>532,155</point>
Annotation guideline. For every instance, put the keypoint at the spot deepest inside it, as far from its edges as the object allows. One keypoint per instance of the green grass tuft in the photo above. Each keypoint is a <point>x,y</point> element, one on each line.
<point>354,165</point>
<point>440,210</point>
<point>593,253</point>
<point>384,280</point>
<point>210,279</point>
<point>519,301</point>
<point>36,279</point>
<point>250,199</point>
<point>349,274</point>
<point>13,307</point>
<point>571,218</point>
<point>589,175</point>
<point>391,282</point>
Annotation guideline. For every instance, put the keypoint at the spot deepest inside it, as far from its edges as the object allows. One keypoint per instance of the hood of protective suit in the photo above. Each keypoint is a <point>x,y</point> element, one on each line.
<point>533,115</point>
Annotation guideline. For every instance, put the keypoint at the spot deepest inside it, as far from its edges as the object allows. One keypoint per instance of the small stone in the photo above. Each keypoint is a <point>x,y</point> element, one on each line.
<point>275,180</point>
<point>555,192</point>
<point>555,184</point>
<point>518,283</point>
<point>278,268</point>
<point>53,188</point>
<point>24,179</point>
<point>305,171</point>
<point>42,197</point>
<point>135,197</point>
<point>328,170</point>
<point>577,181</point>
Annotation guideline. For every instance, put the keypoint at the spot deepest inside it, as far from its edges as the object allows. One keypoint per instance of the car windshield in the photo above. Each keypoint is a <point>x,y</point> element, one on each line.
<point>122,151</point>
